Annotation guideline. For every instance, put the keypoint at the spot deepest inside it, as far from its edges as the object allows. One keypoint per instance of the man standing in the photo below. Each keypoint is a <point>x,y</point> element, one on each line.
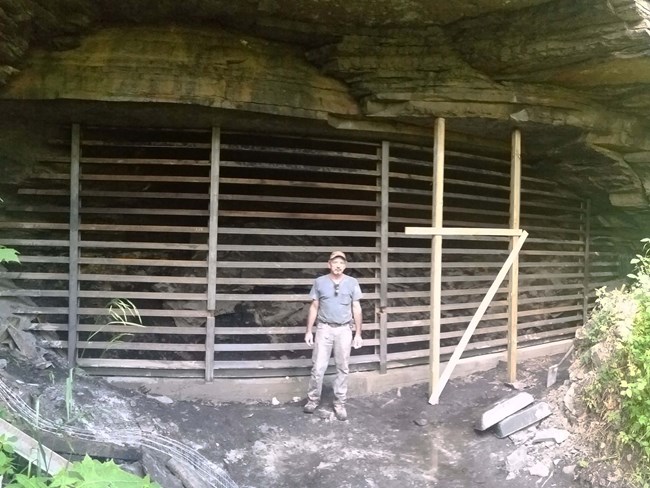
<point>335,309</point>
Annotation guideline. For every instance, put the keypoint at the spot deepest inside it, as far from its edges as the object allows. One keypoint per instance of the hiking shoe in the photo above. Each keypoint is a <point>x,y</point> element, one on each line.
<point>340,412</point>
<point>310,406</point>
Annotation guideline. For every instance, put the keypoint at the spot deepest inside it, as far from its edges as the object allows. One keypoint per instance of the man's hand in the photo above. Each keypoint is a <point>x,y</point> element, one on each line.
<point>358,341</point>
<point>309,339</point>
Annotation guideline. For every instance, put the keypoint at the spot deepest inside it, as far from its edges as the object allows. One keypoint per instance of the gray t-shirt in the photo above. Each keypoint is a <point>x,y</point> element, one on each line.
<point>335,308</point>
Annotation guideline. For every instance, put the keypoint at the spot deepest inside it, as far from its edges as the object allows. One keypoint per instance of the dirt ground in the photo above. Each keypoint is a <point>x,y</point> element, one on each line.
<point>392,440</point>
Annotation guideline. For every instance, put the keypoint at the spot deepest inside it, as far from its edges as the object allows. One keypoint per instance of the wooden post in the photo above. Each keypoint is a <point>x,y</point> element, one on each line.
<point>213,233</point>
<point>460,348</point>
<point>383,259</point>
<point>73,282</point>
<point>585,282</point>
<point>435,304</point>
<point>513,282</point>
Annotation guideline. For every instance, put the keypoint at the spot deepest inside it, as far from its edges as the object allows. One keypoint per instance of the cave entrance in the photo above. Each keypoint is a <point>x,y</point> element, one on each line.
<point>215,237</point>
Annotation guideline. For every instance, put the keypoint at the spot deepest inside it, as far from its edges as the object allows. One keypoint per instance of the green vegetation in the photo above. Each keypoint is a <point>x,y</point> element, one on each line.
<point>616,347</point>
<point>6,457</point>
<point>122,313</point>
<point>17,473</point>
<point>7,254</point>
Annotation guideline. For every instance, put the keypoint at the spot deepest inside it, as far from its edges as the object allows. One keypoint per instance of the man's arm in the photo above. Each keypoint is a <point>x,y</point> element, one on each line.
<point>357,316</point>
<point>311,318</point>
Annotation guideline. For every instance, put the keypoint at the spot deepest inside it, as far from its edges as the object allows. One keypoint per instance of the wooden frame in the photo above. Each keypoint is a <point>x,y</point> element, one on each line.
<point>73,280</point>
<point>33,450</point>
<point>383,257</point>
<point>513,282</point>
<point>437,382</point>
<point>213,234</point>
<point>147,224</point>
<point>440,382</point>
<point>437,209</point>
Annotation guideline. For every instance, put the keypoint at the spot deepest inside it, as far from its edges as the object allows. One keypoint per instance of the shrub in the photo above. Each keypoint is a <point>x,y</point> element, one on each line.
<point>618,335</point>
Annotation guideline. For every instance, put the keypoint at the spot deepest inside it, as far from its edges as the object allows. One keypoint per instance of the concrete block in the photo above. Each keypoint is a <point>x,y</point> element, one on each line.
<point>551,435</point>
<point>522,419</point>
<point>502,409</point>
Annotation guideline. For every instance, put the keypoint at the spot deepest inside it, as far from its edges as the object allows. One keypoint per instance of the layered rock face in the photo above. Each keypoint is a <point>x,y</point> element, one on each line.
<point>573,76</point>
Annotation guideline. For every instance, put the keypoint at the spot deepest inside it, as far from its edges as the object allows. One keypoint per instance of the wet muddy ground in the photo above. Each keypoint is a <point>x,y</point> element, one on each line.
<point>391,440</point>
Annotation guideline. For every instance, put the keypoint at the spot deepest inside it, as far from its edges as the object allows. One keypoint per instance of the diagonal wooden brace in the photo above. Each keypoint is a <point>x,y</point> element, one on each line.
<point>32,450</point>
<point>480,311</point>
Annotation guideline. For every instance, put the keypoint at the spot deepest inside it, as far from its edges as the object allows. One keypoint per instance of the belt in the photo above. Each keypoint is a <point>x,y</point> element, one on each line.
<point>332,324</point>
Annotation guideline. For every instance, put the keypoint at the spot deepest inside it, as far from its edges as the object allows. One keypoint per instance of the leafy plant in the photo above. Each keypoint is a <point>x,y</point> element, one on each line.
<point>7,254</point>
<point>86,473</point>
<point>26,481</point>
<point>620,391</point>
<point>612,317</point>
<point>641,261</point>
<point>635,381</point>
<point>7,466</point>
<point>91,472</point>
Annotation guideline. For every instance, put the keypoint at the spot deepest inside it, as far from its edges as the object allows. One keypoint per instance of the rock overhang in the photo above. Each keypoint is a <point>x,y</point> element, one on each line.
<point>570,73</point>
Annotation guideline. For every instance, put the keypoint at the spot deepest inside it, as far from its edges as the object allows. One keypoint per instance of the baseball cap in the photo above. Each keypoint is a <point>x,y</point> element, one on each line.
<point>338,254</point>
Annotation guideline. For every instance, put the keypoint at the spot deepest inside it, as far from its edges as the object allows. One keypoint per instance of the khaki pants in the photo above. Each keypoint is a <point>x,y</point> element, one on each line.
<point>340,340</point>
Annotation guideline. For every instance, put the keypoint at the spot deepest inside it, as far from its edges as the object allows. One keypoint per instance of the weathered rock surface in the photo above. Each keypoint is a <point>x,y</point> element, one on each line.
<point>572,75</point>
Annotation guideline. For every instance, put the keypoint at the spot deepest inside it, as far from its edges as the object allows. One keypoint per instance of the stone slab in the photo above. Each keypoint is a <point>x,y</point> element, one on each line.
<point>502,409</point>
<point>522,419</point>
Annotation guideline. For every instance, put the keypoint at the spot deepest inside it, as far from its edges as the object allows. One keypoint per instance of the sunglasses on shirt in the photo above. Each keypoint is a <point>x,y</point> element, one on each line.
<point>336,289</point>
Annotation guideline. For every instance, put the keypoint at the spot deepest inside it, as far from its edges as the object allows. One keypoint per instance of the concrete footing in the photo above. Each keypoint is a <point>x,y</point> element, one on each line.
<point>522,419</point>
<point>288,388</point>
<point>504,408</point>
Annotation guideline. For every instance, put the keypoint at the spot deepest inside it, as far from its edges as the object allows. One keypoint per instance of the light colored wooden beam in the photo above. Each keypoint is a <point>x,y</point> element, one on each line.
<point>213,219</point>
<point>213,233</point>
<point>460,231</point>
<point>460,348</point>
<point>32,450</point>
<point>435,303</point>
<point>513,282</point>
<point>383,183</point>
